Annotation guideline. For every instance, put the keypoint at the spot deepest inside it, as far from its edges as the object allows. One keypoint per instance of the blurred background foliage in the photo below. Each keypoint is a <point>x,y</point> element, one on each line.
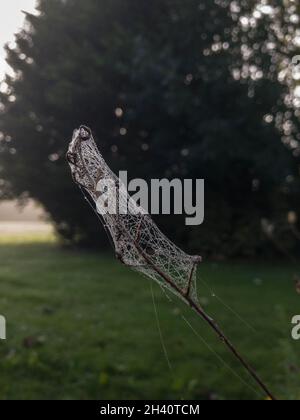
<point>172,88</point>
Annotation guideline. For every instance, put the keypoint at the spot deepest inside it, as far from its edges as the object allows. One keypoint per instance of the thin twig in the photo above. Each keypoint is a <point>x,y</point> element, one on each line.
<point>210,322</point>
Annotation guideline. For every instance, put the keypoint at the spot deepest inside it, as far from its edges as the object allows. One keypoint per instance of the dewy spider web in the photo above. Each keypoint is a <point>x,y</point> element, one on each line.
<point>133,232</point>
<point>137,241</point>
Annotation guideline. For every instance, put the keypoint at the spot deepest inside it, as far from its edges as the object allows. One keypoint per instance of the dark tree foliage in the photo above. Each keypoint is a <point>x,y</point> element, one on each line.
<point>197,96</point>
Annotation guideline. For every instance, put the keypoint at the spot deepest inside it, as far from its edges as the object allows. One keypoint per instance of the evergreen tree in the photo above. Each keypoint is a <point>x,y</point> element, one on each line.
<point>172,89</point>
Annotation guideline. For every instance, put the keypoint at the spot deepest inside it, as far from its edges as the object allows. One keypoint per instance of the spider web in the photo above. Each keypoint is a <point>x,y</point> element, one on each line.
<point>137,240</point>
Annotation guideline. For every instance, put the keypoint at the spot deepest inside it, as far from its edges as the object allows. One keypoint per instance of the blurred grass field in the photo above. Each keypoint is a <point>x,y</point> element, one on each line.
<point>81,326</point>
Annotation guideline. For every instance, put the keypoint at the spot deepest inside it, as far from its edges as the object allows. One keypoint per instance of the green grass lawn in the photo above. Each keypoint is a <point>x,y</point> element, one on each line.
<point>81,326</point>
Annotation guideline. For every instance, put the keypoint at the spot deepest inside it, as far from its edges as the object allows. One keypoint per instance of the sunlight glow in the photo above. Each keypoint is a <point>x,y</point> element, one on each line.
<point>11,20</point>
